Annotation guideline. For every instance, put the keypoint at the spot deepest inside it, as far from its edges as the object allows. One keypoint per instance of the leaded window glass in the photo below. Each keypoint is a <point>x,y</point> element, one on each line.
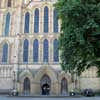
<point>45,50</point>
<point>46,19</point>
<point>36,21</point>
<point>55,21</point>
<point>56,50</point>
<point>9,3</point>
<point>25,51</point>
<point>35,50</point>
<point>27,19</point>
<point>5,53</point>
<point>7,25</point>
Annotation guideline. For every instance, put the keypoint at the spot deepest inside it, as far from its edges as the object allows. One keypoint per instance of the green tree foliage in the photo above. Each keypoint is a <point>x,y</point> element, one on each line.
<point>80,24</point>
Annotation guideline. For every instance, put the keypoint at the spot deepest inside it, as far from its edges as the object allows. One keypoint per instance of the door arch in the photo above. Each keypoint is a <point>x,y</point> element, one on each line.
<point>64,86</point>
<point>26,86</point>
<point>45,84</point>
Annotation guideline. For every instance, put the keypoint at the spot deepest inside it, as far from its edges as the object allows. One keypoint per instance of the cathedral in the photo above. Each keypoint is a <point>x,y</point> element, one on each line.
<point>29,51</point>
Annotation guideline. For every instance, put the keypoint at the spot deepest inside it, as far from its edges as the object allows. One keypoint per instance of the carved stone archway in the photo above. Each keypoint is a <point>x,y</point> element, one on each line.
<point>26,86</point>
<point>25,82</point>
<point>46,73</point>
<point>64,86</point>
<point>45,84</point>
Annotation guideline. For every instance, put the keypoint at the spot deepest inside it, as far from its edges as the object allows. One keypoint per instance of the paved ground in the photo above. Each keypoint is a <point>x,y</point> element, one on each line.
<point>43,98</point>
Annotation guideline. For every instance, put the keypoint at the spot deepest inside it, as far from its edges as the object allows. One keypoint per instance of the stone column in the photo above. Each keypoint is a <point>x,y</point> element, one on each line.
<point>51,50</point>
<point>59,25</point>
<point>51,28</point>
<point>50,20</point>
<point>12,23</point>
<point>20,51</point>
<point>10,46</point>
<point>22,22</point>
<point>31,51</point>
<point>3,4</point>
<point>18,21</point>
<point>41,50</point>
<point>32,24</point>
<point>41,20</point>
<point>1,23</point>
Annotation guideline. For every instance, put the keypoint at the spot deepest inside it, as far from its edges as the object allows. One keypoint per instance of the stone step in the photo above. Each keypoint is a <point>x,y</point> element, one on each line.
<point>41,96</point>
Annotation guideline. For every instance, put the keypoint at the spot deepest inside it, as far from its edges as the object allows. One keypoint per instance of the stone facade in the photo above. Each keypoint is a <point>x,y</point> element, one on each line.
<point>14,72</point>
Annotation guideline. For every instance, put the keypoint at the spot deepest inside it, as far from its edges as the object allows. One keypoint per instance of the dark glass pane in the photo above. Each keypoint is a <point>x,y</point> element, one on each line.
<point>5,53</point>
<point>55,21</point>
<point>27,19</point>
<point>56,50</point>
<point>25,51</point>
<point>7,25</point>
<point>46,18</point>
<point>9,3</point>
<point>35,50</point>
<point>45,51</point>
<point>36,21</point>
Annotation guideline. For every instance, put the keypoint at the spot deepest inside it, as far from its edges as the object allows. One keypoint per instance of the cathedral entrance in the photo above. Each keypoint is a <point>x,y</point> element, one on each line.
<point>26,86</point>
<point>64,87</point>
<point>45,85</point>
<point>45,89</point>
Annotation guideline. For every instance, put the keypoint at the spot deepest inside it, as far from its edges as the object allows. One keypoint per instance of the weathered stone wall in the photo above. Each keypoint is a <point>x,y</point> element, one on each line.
<point>34,71</point>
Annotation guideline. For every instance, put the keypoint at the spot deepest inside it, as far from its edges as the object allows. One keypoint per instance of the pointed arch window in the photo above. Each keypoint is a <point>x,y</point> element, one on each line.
<point>25,51</point>
<point>7,25</point>
<point>56,50</point>
<point>27,19</point>
<point>5,53</point>
<point>46,19</point>
<point>45,50</point>
<point>35,50</point>
<point>55,21</point>
<point>36,21</point>
<point>9,3</point>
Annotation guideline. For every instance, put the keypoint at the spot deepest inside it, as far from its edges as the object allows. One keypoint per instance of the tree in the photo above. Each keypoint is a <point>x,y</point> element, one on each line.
<point>80,25</point>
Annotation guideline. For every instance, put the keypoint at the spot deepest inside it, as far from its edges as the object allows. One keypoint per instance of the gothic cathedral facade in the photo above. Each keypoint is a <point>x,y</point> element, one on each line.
<point>29,54</point>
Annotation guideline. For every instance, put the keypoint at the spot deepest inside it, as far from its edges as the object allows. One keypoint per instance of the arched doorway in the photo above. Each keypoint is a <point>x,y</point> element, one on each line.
<point>45,83</point>
<point>64,87</point>
<point>26,86</point>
